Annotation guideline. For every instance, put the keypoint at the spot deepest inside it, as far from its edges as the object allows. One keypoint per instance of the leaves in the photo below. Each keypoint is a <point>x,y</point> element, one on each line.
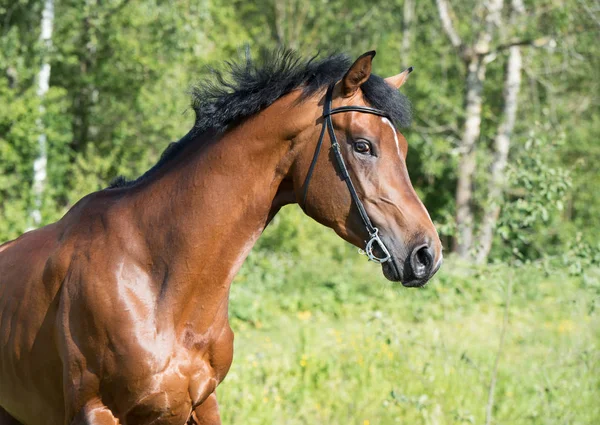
<point>121,72</point>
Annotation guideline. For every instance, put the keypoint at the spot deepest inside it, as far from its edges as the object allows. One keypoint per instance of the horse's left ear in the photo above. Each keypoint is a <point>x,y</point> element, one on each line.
<point>359,72</point>
<point>397,80</point>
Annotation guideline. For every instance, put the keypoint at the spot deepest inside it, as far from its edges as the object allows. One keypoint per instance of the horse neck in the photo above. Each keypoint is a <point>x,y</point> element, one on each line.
<point>205,211</point>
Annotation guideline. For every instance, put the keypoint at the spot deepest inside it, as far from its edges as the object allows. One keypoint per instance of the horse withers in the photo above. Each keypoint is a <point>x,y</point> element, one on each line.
<point>118,312</point>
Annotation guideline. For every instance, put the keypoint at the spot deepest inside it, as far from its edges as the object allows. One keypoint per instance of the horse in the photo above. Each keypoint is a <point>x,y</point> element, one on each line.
<point>118,312</point>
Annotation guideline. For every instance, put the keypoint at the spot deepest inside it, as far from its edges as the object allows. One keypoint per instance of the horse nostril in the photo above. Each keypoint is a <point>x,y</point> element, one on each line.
<point>421,261</point>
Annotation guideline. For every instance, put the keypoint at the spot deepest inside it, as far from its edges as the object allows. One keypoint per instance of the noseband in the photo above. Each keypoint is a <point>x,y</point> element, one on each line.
<point>327,123</point>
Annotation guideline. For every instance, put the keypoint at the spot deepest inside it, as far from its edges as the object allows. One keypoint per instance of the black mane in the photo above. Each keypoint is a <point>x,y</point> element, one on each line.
<point>248,86</point>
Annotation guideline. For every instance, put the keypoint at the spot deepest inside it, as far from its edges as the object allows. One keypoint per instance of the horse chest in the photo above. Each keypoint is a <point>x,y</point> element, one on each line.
<point>169,397</point>
<point>201,361</point>
<point>212,350</point>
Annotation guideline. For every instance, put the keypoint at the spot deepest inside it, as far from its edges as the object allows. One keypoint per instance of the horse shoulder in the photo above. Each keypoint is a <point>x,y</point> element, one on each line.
<point>115,342</point>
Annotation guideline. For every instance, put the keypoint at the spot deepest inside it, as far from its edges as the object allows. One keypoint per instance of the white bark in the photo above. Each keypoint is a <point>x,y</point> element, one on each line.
<point>407,24</point>
<point>468,161</point>
<point>475,58</point>
<point>497,180</point>
<point>492,22</point>
<point>40,164</point>
<point>444,12</point>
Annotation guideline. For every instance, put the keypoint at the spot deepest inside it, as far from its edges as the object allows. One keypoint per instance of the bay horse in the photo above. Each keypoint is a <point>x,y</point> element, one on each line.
<point>118,312</point>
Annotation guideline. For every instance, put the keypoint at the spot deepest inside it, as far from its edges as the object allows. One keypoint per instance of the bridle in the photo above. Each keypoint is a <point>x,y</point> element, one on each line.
<point>327,123</point>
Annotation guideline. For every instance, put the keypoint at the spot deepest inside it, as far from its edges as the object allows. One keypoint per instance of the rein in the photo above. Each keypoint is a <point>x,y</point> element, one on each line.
<point>328,124</point>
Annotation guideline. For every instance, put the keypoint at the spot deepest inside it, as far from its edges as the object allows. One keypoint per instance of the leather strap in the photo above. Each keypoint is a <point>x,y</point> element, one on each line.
<point>341,165</point>
<point>312,166</point>
<point>364,109</point>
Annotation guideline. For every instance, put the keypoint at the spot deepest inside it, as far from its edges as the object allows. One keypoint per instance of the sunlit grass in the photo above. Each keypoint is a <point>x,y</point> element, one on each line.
<point>418,357</point>
<point>322,338</point>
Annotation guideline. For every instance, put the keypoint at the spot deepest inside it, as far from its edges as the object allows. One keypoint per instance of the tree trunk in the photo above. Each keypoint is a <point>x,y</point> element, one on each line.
<point>407,23</point>
<point>40,164</point>
<point>468,161</point>
<point>476,58</point>
<point>497,180</point>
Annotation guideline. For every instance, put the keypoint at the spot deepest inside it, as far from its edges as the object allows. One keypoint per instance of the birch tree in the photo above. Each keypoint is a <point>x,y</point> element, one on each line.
<point>475,57</point>
<point>41,162</point>
<point>408,14</point>
<point>502,141</point>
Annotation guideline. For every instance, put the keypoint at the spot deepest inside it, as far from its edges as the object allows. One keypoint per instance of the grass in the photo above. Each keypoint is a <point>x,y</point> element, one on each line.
<point>323,339</point>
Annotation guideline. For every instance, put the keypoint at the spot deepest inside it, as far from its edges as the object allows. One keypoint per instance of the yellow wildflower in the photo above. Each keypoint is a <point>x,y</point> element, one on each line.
<point>304,315</point>
<point>565,326</point>
<point>303,362</point>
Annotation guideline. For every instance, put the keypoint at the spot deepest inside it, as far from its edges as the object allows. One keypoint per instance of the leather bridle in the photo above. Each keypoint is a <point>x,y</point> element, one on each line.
<point>327,123</point>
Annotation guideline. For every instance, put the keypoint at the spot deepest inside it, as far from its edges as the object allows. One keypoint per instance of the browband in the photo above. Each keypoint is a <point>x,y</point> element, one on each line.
<point>364,109</point>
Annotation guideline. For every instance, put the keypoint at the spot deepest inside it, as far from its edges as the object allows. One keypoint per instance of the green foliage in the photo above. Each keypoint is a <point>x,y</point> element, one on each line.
<point>121,70</point>
<point>581,257</point>
<point>536,194</point>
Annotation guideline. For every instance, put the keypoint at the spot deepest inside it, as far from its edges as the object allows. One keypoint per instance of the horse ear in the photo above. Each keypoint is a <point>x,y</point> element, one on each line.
<point>359,72</point>
<point>397,80</point>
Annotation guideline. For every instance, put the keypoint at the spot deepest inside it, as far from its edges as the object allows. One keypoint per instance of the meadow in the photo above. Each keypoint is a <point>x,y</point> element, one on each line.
<point>323,338</point>
<point>93,90</point>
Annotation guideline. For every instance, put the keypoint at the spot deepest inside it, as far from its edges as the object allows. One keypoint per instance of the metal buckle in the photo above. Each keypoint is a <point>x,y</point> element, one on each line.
<point>368,251</point>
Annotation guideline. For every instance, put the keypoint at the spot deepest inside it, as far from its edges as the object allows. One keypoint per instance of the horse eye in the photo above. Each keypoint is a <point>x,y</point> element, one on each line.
<point>362,147</point>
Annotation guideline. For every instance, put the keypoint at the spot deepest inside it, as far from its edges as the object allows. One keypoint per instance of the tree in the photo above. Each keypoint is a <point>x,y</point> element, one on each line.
<point>475,57</point>
<point>120,71</point>
<point>497,181</point>
<point>41,162</point>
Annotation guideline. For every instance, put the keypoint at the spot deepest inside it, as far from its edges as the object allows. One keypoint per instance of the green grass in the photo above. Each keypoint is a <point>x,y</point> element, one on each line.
<point>325,340</point>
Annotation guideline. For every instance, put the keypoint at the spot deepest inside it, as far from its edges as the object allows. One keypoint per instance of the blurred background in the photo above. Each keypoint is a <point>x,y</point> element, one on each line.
<point>503,151</point>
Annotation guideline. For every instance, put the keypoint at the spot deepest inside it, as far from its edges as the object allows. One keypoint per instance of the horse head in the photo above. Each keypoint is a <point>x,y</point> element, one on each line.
<point>362,189</point>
